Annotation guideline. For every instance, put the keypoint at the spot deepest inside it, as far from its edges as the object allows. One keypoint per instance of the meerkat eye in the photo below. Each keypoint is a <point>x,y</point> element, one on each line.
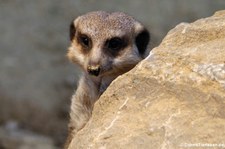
<point>85,41</point>
<point>115,43</point>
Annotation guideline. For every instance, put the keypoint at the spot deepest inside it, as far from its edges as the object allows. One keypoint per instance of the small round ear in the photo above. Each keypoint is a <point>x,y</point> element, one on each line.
<point>72,30</point>
<point>142,40</point>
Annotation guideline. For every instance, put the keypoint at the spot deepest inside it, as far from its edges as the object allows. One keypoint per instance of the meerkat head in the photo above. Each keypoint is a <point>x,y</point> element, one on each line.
<point>107,43</point>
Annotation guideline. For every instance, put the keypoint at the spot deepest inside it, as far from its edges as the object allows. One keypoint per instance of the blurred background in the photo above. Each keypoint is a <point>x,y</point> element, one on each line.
<point>36,79</point>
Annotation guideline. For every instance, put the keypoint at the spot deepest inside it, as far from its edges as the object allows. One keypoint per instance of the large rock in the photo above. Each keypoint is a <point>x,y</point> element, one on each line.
<point>175,98</point>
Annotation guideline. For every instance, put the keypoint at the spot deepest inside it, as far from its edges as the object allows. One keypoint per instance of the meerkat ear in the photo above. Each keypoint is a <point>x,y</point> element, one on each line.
<point>142,40</point>
<point>72,30</point>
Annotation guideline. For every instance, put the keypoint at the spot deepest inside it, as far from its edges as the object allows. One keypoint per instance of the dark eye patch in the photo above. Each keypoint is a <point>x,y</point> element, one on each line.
<point>85,41</point>
<point>115,44</point>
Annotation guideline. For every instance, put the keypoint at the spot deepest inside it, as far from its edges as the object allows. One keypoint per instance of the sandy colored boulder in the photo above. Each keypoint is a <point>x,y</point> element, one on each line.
<point>173,99</point>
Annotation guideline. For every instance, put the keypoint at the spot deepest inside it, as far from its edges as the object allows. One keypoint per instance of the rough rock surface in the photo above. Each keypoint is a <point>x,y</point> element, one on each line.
<point>175,98</point>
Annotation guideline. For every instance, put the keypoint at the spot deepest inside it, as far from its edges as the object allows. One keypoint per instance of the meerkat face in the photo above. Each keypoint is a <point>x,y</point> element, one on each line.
<point>107,43</point>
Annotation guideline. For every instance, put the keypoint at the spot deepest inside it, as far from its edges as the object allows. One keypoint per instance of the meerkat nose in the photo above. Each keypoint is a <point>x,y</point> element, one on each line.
<point>94,70</point>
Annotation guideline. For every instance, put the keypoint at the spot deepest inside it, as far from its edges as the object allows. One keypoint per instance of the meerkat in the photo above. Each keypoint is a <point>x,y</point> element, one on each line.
<point>105,45</point>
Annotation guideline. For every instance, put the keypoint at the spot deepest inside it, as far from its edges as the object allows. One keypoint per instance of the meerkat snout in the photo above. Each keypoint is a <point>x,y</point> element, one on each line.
<point>93,69</point>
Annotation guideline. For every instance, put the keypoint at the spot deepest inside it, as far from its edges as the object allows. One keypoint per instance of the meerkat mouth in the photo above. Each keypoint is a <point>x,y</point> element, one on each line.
<point>94,70</point>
